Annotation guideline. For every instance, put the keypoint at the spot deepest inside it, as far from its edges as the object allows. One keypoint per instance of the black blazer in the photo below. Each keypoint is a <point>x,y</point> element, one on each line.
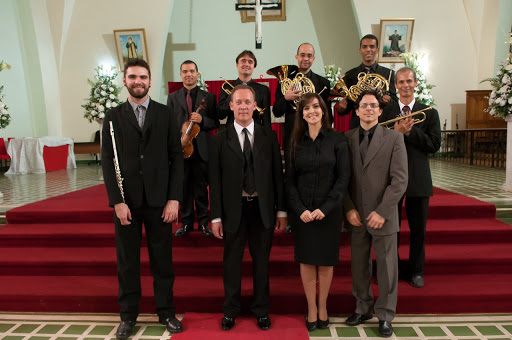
<point>424,138</point>
<point>226,172</point>
<point>351,79</point>
<point>150,159</point>
<point>262,100</point>
<point>177,102</point>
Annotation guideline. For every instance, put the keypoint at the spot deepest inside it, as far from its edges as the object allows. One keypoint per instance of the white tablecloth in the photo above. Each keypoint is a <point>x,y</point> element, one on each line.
<point>27,154</point>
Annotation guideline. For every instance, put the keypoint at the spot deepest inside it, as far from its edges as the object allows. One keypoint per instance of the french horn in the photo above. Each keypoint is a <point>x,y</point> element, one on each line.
<point>365,82</point>
<point>299,82</point>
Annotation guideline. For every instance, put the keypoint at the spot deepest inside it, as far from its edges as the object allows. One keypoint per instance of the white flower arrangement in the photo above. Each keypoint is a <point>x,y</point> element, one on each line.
<point>500,100</point>
<point>104,94</point>
<point>200,82</point>
<point>422,91</point>
<point>5,118</point>
<point>333,74</point>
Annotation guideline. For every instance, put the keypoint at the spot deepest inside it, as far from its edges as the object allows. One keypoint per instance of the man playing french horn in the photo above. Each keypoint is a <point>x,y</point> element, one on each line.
<point>369,50</point>
<point>284,103</point>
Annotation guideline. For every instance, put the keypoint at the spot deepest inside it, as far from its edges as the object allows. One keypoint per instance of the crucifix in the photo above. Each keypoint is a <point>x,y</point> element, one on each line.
<point>258,6</point>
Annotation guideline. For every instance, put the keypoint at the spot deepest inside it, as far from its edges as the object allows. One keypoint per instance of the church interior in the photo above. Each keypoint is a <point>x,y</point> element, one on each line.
<point>57,273</point>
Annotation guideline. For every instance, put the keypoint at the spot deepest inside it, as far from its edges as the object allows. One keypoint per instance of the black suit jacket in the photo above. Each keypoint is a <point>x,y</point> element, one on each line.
<point>177,102</point>
<point>351,79</point>
<point>226,172</point>
<point>424,138</point>
<point>150,159</point>
<point>284,107</point>
<point>262,100</point>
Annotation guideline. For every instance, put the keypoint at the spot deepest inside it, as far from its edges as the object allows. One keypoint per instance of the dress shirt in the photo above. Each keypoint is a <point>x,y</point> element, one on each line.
<point>135,108</point>
<point>361,133</point>
<point>411,105</point>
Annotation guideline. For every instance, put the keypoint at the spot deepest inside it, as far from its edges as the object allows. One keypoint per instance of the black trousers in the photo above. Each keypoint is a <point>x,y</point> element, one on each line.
<point>260,243</point>
<point>128,243</point>
<point>416,209</point>
<point>195,184</point>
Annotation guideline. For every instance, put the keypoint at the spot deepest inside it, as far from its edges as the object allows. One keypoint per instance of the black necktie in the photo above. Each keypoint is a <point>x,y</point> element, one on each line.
<point>363,147</point>
<point>368,69</point>
<point>248,179</point>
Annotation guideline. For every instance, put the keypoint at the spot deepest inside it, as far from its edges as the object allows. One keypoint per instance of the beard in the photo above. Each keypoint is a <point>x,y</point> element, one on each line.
<point>139,95</point>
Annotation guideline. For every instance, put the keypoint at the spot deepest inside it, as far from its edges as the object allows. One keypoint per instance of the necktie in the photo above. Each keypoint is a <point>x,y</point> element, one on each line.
<point>140,115</point>
<point>367,69</point>
<point>248,179</point>
<point>363,147</point>
<point>406,110</point>
<point>189,104</point>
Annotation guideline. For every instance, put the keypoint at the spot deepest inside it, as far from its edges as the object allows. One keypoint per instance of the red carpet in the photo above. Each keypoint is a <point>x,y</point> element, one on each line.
<point>207,326</point>
<point>58,255</point>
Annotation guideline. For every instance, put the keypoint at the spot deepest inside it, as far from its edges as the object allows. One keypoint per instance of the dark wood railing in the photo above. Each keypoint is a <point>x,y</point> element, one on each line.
<point>486,147</point>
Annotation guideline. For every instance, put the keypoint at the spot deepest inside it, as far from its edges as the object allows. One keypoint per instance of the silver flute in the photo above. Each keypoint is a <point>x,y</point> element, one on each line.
<point>116,162</point>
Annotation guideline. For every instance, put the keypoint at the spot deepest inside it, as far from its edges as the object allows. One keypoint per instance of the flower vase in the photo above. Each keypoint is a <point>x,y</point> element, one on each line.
<point>507,186</point>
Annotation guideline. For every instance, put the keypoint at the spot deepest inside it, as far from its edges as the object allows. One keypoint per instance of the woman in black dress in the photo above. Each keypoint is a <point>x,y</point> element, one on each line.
<point>317,174</point>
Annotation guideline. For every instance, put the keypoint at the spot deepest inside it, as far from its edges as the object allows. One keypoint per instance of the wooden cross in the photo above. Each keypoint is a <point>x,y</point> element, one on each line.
<point>258,8</point>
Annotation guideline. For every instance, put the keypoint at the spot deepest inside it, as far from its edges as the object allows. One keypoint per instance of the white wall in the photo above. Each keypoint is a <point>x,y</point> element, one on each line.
<point>450,38</point>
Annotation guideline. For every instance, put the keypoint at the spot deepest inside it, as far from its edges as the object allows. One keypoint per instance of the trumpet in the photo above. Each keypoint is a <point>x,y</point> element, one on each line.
<point>231,87</point>
<point>397,119</point>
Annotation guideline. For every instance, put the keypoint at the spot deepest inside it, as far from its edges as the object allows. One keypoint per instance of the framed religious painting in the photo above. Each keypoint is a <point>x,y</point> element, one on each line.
<point>131,44</point>
<point>267,14</point>
<point>395,39</point>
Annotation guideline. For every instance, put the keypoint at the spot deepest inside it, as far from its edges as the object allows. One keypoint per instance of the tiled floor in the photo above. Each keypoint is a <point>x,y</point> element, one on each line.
<point>478,182</point>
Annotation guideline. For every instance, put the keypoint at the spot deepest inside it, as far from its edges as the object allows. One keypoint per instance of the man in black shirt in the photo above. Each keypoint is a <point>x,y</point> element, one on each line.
<point>283,104</point>
<point>369,50</point>
<point>246,63</point>
<point>184,104</point>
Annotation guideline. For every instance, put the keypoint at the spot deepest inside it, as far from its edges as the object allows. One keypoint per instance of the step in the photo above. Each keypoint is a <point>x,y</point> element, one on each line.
<point>98,294</point>
<point>62,261</point>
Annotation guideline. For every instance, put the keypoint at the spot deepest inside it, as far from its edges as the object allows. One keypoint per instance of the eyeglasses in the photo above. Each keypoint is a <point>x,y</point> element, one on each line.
<point>372,105</point>
<point>309,55</point>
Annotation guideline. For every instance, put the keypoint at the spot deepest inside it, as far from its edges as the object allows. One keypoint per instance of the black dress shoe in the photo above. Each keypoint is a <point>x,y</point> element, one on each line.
<point>357,319</point>
<point>385,328</point>
<point>228,323</point>
<point>417,281</point>
<point>205,230</point>
<point>264,322</point>
<point>311,326</point>
<point>322,324</point>
<point>173,325</point>
<point>184,230</point>
<point>124,331</point>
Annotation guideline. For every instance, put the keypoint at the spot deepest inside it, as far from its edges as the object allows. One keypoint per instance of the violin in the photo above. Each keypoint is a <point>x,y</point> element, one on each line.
<point>189,131</point>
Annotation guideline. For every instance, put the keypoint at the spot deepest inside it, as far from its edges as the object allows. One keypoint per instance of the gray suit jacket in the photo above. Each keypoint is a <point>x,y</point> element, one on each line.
<point>379,183</point>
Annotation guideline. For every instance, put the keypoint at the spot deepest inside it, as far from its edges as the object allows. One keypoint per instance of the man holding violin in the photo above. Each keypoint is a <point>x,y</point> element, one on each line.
<point>193,105</point>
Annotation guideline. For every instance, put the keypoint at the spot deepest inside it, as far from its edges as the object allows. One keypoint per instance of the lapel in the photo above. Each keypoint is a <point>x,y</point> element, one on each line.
<point>181,99</point>
<point>200,96</point>
<point>259,138</point>
<point>356,154</point>
<point>129,115</point>
<point>375,145</point>
<point>233,141</point>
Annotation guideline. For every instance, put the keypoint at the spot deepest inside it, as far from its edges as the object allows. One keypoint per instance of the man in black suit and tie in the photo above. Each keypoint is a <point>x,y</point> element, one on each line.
<point>184,103</point>
<point>420,140</point>
<point>246,191</point>
<point>245,64</point>
<point>150,161</point>
<point>379,179</point>
<point>369,50</point>
<point>283,103</point>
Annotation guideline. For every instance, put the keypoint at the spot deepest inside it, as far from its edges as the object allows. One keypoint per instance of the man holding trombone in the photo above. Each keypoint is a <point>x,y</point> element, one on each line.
<point>421,136</point>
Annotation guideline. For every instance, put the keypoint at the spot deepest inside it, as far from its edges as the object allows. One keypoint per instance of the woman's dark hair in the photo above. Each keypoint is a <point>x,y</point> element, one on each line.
<point>300,126</point>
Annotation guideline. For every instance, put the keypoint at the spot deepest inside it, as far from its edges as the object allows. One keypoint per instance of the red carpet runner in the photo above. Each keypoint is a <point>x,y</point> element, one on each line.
<point>207,326</point>
<point>58,255</point>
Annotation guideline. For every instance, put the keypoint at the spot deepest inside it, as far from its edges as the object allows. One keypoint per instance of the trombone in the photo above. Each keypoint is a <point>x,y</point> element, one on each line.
<point>228,91</point>
<point>397,119</point>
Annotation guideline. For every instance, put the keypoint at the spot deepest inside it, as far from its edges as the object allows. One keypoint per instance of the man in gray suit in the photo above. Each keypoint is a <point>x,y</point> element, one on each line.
<point>379,179</point>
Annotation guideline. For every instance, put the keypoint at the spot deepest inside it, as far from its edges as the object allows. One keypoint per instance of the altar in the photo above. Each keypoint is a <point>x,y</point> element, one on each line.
<point>40,155</point>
